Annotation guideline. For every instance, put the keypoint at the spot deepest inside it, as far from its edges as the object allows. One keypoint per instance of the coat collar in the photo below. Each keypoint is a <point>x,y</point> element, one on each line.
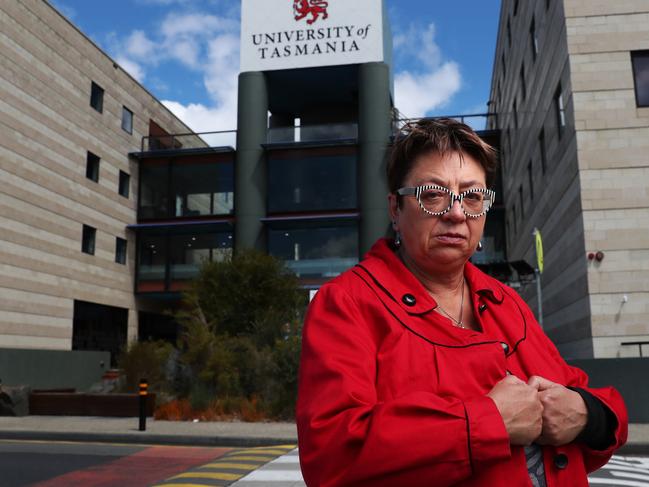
<point>390,273</point>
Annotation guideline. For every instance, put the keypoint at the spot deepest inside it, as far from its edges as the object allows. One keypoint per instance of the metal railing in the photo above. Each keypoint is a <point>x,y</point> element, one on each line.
<point>191,140</point>
<point>312,133</point>
<point>477,121</point>
<point>296,134</point>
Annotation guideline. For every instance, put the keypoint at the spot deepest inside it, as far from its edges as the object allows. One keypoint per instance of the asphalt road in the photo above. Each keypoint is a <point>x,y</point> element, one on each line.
<point>61,464</point>
<point>49,464</point>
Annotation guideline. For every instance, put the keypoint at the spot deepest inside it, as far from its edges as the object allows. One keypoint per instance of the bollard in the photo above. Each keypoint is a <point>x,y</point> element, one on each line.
<point>142,399</point>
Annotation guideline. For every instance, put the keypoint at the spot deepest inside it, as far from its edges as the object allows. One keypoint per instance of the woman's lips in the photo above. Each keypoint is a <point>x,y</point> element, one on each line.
<point>451,238</point>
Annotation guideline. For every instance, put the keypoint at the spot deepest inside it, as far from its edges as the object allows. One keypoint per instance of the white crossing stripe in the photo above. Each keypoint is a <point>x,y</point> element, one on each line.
<point>287,459</point>
<point>262,475</point>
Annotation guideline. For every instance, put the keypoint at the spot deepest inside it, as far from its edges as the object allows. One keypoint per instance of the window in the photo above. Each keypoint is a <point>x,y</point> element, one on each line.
<point>559,109</point>
<point>97,97</point>
<point>312,180</point>
<point>502,60</point>
<point>515,7</point>
<point>186,187</point>
<point>88,240</point>
<point>120,250</point>
<point>544,157</point>
<point>515,113</point>
<point>547,4</point>
<point>315,250</point>
<point>520,201</point>
<point>523,87</point>
<point>530,178</point>
<point>534,42</point>
<point>124,184</point>
<point>640,62</point>
<point>169,256</point>
<point>509,33</point>
<point>515,220</point>
<point>509,142</point>
<point>92,166</point>
<point>127,120</point>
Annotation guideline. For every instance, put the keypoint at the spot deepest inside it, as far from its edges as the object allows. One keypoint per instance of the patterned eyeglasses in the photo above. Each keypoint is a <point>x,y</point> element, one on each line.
<point>437,200</point>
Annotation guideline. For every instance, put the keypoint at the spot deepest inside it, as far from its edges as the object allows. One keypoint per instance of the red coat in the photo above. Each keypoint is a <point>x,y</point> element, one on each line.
<point>391,394</point>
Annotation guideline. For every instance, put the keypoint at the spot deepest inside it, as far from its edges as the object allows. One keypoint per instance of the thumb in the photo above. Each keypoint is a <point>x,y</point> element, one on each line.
<point>540,383</point>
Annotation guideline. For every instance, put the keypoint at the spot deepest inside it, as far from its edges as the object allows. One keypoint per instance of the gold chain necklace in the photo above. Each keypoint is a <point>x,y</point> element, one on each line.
<point>459,323</point>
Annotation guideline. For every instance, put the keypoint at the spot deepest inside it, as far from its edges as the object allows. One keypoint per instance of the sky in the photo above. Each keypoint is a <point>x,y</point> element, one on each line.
<point>186,52</point>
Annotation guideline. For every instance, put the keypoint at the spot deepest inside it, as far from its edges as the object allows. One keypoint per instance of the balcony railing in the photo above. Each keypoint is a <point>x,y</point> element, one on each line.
<point>290,135</point>
<point>200,140</point>
<point>477,121</point>
<point>312,133</point>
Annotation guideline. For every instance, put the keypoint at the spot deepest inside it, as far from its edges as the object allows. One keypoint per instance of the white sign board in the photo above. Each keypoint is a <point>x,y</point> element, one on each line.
<point>288,34</point>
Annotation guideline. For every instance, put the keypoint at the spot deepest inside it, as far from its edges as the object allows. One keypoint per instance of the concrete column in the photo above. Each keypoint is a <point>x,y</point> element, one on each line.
<point>132,326</point>
<point>250,164</point>
<point>374,129</point>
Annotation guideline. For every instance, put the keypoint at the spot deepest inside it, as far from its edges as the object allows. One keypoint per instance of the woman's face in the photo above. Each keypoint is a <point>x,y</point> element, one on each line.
<point>437,242</point>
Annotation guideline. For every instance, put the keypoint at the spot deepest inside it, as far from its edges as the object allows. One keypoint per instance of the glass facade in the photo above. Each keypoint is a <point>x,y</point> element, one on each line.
<point>312,180</point>
<point>185,188</point>
<point>170,256</point>
<point>315,249</point>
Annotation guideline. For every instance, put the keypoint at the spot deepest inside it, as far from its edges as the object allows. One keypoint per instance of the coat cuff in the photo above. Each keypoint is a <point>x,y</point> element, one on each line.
<point>488,441</point>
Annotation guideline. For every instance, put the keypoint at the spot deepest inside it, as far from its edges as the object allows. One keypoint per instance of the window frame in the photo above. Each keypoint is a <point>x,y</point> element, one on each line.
<point>99,91</point>
<point>92,166</point>
<point>129,128</point>
<point>560,110</point>
<point>121,249</point>
<point>124,184</point>
<point>88,239</point>
<point>644,53</point>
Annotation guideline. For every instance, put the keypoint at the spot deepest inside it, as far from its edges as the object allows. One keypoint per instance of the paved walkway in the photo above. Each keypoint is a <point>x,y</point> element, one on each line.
<point>125,430</point>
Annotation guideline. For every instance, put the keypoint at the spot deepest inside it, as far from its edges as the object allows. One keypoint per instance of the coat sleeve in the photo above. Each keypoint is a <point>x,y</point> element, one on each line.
<point>608,396</point>
<point>347,437</point>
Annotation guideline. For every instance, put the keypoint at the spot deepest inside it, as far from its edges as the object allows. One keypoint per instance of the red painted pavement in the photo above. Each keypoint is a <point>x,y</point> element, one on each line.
<point>143,468</point>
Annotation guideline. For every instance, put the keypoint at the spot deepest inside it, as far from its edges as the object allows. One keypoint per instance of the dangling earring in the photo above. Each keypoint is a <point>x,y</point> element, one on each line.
<point>397,239</point>
<point>479,249</point>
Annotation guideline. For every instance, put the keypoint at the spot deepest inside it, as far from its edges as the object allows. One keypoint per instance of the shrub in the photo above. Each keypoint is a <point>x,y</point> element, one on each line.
<point>145,360</point>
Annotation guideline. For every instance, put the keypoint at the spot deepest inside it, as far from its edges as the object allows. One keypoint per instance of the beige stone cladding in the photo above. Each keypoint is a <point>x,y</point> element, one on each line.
<point>47,127</point>
<point>613,154</point>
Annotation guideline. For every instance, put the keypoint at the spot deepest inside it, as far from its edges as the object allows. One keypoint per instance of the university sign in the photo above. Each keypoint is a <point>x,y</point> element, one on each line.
<point>288,34</point>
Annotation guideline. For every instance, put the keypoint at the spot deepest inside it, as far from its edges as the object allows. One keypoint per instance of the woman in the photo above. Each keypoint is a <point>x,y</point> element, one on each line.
<point>419,370</point>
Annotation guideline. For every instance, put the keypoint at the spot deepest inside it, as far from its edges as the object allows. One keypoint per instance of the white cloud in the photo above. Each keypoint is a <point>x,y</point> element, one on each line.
<point>205,43</point>
<point>434,82</point>
<point>132,68</point>
<point>139,46</point>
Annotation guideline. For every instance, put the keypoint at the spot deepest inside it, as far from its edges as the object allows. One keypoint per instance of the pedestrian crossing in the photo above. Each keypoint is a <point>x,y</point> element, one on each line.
<point>283,471</point>
<point>622,471</point>
<point>279,466</point>
<point>228,468</point>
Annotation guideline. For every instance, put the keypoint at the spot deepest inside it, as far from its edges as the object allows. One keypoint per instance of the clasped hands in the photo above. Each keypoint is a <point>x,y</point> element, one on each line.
<point>539,411</point>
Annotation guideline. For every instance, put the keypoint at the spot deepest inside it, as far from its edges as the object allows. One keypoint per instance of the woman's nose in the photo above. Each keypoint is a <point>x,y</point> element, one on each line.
<point>456,212</point>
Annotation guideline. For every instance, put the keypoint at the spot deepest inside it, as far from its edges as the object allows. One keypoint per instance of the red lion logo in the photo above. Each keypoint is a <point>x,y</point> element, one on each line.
<point>302,8</point>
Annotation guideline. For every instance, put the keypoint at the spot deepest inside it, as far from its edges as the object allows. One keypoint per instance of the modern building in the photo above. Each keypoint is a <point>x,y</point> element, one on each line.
<point>69,117</point>
<point>570,88</point>
<point>110,204</point>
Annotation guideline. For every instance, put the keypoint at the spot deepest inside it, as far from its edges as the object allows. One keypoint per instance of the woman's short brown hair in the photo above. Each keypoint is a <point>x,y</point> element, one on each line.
<point>439,136</point>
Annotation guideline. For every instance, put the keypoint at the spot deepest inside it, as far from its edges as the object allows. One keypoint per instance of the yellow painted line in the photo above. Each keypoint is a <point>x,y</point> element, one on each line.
<point>180,485</point>
<point>209,475</point>
<point>236,466</point>
<point>252,458</point>
<point>269,452</point>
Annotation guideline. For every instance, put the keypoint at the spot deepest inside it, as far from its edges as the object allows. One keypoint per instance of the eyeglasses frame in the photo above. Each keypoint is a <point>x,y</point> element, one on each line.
<point>417,190</point>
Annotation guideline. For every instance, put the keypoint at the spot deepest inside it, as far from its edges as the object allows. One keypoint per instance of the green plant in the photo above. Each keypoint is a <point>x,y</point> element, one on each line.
<point>240,336</point>
<point>145,360</point>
